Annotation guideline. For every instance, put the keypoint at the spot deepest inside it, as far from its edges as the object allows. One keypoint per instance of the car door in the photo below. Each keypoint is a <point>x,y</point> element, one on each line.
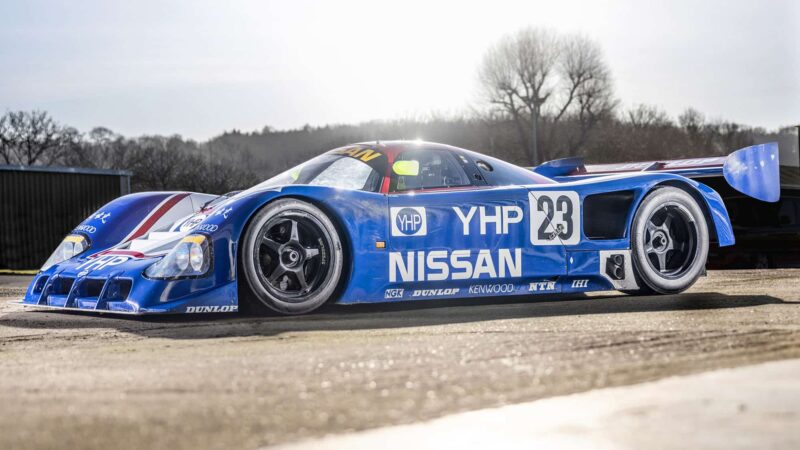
<point>451,235</point>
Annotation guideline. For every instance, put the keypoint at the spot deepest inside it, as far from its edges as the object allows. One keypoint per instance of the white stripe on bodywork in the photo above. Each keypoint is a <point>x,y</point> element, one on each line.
<point>180,209</point>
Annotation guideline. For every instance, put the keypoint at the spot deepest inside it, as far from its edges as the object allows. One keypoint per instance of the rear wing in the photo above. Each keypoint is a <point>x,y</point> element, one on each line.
<point>753,171</point>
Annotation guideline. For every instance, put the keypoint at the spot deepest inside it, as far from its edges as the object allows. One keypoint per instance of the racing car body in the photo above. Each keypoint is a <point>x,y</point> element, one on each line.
<point>385,222</point>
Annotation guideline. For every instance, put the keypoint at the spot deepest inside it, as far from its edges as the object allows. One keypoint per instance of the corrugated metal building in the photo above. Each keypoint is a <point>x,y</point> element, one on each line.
<point>39,205</point>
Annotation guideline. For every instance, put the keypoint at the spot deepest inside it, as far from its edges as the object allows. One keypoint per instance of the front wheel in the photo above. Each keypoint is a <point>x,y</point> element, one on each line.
<point>291,257</point>
<point>669,242</point>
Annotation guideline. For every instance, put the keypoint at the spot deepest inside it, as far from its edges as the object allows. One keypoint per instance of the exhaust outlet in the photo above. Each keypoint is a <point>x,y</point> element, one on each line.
<point>615,267</point>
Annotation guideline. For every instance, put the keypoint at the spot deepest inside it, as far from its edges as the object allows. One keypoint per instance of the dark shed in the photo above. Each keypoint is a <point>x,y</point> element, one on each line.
<point>39,205</point>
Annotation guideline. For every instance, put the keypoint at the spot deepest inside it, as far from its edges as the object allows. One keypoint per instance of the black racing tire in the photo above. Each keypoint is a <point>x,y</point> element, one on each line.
<point>641,291</point>
<point>669,242</point>
<point>291,258</point>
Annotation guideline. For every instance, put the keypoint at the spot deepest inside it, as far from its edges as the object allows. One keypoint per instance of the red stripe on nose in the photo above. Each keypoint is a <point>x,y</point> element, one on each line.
<point>159,213</point>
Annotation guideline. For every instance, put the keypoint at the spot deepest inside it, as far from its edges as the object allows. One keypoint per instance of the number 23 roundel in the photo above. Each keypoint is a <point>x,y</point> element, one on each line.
<point>555,217</point>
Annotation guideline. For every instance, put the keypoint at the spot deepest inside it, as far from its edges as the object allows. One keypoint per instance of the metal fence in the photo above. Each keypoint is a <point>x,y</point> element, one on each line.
<point>39,205</point>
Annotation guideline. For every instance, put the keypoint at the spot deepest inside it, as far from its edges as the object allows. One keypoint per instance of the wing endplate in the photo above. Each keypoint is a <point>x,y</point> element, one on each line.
<point>755,171</point>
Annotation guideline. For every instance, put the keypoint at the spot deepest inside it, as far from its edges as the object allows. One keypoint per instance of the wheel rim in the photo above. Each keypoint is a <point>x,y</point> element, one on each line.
<point>291,257</point>
<point>670,242</point>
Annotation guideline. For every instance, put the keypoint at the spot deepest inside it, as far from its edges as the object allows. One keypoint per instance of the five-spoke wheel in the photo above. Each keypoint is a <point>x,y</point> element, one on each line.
<point>291,264</point>
<point>669,241</point>
<point>292,257</point>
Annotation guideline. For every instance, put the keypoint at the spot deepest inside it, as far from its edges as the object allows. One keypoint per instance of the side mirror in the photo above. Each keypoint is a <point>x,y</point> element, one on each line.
<point>407,168</point>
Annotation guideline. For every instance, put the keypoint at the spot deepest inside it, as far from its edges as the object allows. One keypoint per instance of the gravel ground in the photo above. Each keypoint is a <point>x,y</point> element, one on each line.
<point>76,380</point>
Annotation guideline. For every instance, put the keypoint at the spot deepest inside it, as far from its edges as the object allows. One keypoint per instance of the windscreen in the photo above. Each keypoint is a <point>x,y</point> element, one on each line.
<point>355,167</point>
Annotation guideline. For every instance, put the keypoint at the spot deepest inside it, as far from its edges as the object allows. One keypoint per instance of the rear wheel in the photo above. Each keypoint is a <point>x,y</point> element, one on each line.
<point>669,242</point>
<point>291,257</point>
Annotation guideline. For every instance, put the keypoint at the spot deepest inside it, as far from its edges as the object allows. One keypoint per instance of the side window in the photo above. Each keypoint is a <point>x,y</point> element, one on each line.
<point>499,173</point>
<point>437,169</point>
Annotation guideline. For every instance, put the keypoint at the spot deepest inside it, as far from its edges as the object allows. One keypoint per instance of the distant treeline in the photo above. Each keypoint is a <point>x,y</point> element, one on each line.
<point>236,160</point>
<point>544,96</point>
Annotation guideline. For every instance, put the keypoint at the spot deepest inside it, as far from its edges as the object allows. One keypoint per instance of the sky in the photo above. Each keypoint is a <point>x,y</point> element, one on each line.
<point>200,67</point>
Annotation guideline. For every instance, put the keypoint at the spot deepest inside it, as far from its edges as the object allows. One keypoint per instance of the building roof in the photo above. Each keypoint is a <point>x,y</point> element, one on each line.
<point>58,169</point>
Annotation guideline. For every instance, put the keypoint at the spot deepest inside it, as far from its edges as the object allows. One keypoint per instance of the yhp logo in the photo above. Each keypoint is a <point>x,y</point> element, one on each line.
<point>192,222</point>
<point>409,221</point>
<point>101,262</point>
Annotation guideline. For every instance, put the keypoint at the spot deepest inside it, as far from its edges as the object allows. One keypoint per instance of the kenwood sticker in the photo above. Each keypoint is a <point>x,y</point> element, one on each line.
<point>86,228</point>
<point>409,221</point>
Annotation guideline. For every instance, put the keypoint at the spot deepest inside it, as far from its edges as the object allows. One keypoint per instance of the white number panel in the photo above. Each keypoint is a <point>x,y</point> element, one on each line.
<point>555,217</point>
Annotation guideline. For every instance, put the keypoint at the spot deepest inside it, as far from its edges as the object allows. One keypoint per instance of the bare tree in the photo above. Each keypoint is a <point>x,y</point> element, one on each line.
<point>588,82</point>
<point>535,74</point>
<point>646,116</point>
<point>517,75</point>
<point>700,135</point>
<point>30,138</point>
<point>8,139</point>
<point>691,120</point>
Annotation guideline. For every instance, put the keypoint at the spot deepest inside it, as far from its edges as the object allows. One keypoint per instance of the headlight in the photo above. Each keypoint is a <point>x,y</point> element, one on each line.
<point>190,258</point>
<point>72,245</point>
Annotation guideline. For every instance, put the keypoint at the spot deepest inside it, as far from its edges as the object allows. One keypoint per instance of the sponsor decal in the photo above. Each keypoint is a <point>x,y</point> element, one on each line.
<point>86,228</point>
<point>101,216</point>
<point>438,265</point>
<point>434,292</point>
<point>498,218</point>
<point>207,227</point>
<point>212,309</point>
<point>634,166</point>
<point>394,293</point>
<point>323,254</point>
<point>542,286</point>
<point>580,284</point>
<point>364,154</point>
<point>667,165</point>
<point>555,217</point>
<point>487,289</point>
<point>192,222</point>
<point>101,262</point>
<point>224,212</point>
<point>409,221</point>
<point>694,162</point>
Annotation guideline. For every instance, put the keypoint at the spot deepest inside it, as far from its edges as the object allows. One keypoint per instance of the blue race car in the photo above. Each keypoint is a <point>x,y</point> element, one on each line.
<point>394,221</point>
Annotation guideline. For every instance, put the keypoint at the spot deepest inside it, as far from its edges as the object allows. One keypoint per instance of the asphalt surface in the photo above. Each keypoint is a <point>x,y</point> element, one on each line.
<point>76,380</point>
<point>744,408</point>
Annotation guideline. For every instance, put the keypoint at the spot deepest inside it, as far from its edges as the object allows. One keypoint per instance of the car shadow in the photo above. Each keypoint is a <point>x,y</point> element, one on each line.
<point>379,316</point>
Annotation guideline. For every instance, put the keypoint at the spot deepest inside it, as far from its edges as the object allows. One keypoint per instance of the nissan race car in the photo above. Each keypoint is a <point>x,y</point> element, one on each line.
<point>394,221</point>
